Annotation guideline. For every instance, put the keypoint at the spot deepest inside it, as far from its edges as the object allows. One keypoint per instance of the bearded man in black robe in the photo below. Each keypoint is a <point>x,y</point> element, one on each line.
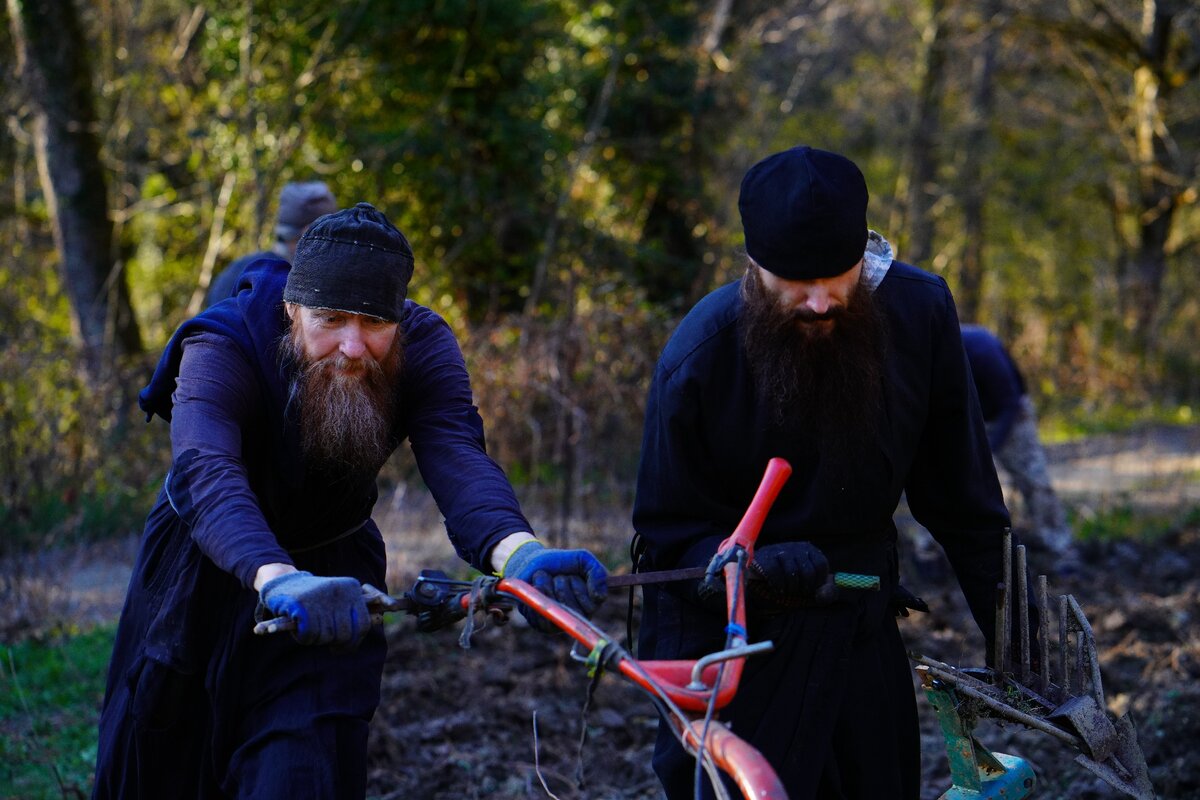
<point>849,364</point>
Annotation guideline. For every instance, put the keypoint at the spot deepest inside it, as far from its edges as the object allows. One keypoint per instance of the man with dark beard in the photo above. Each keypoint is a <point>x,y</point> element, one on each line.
<point>284,402</point>
<point>848,364</point>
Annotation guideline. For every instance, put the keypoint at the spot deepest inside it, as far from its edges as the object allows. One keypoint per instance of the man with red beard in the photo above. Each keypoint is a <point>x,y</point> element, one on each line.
<point>849,364</point>
<point>284,403</point>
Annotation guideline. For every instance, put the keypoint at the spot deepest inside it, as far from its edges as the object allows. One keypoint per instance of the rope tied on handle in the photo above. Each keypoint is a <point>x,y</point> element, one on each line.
<point>476,602</point>
<point>604,653</point>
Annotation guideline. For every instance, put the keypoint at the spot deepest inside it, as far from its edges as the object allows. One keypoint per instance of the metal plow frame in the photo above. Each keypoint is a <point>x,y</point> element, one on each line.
<point>1063,701</point>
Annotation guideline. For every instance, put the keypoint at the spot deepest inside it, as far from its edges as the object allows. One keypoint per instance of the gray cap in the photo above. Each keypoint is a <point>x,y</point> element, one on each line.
<point>299,205</point>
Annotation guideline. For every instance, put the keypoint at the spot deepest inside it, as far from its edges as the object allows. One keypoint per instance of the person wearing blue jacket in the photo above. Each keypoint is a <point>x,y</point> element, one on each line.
<point>1011,421</point>
<point>300,204</point>
<point>284,402</point>
<point>831,354</point>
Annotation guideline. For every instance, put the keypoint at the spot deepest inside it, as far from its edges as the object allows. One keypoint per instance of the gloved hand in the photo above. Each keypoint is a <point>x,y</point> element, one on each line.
<point>572,577</point>
<point>325,610</point>
<point>790,573</point>
<point>903,600</point>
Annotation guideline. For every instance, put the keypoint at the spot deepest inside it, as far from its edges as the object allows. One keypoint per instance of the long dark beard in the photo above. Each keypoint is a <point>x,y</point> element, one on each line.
<point>347,407</point>
<point>822,383</point>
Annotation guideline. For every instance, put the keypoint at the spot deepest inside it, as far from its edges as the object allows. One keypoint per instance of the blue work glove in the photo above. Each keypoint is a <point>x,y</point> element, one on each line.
<point>790,574</point>
<point>325,610</point>
<point>572,577</point>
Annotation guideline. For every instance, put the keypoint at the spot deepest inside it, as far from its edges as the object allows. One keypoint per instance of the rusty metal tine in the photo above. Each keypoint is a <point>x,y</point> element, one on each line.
<point>1063,646</point>
<point>1005,599</point>
<point>1088,640</point>
<point>1043,634</point>
<point>1021,605</point>
<point>999,645</point>
<point>1080,688</point>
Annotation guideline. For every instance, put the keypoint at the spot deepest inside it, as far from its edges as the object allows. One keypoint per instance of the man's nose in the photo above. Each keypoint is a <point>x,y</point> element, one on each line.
<point>816,299</point>
<point>352,344</point>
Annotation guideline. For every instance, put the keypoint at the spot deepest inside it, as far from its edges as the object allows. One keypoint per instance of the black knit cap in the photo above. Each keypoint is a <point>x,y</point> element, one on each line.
<point>804,213</point>
<point>352,260</point>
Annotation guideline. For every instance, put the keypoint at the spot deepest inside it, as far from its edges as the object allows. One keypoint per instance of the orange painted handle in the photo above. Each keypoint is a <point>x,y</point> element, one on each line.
<point>748,767</point>
<point>746,533</point>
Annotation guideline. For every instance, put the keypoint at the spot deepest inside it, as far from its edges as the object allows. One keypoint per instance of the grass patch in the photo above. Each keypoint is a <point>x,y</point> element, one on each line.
<point>1057,425</point>
<point>50,694</point>
<point>1130,523</point>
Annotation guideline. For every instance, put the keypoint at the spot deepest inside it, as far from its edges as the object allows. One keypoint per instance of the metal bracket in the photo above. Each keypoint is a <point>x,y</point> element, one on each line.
<point>976,772</point>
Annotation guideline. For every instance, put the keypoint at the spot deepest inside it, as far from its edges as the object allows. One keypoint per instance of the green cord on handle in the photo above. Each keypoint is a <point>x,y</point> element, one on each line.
<point>851,580</point>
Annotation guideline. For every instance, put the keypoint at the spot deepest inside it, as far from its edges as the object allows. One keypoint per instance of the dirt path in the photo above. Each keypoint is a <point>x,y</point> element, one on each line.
<point>1152,468</point>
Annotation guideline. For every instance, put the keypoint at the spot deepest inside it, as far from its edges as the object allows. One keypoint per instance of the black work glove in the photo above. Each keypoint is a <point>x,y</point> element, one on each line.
<point>790,574</point>
<point>902,600</point>
<point>325,610</point>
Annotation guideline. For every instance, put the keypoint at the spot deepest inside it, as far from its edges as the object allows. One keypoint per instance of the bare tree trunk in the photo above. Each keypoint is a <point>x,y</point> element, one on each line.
<point>922,188</point>
<point>57,76</point>
<point>1156,189</point>
<point>710,57</point>
<point>977,148</point>
<point>578,160</point>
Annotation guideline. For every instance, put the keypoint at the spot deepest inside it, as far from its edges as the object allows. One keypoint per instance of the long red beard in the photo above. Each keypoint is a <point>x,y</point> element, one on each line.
<point>348,407</point>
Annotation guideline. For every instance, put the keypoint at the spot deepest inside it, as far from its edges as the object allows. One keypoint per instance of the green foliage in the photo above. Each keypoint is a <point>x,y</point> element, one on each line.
<point>588,154</point>
<point>65,445</point>
<point>50,694</point>
<point>1127,521</point>
<point>1066,424</point>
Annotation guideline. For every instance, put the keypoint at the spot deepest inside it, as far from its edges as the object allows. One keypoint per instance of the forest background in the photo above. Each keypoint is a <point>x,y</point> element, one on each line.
<point>567,173</point>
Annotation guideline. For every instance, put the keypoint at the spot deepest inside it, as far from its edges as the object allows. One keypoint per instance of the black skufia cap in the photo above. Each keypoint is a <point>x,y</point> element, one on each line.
<point>352,260</point>
<point>804,213</point>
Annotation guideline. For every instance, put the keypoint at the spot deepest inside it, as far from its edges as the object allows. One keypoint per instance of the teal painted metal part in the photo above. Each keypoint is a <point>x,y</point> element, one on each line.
<point>960,743</point>
<point>1015,783</point>
<point>850,580</point>
<point>975,772</point>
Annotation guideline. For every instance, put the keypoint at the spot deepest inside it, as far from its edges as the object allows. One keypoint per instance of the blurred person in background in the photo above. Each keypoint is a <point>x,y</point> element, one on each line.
<point>299,205</point>
<point>1012,430</point>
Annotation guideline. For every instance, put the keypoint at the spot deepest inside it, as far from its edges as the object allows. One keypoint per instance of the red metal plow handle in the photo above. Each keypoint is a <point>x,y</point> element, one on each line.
<point>746,533</point>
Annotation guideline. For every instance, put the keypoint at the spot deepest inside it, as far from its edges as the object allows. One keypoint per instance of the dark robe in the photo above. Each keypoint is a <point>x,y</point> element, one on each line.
<point>832,708</point>
<point>196,705</point>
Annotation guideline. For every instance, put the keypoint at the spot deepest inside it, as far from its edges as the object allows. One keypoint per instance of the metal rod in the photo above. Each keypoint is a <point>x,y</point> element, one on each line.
<point>1021,604</point>
<point>1001,635</point>
<point>1079,645</point>
<point>962,683</point>
<point>1063,647</point>
<point>1089,647</point>
<point>725,655</point>
<point>1003,599</point>
<point>1044,633</point>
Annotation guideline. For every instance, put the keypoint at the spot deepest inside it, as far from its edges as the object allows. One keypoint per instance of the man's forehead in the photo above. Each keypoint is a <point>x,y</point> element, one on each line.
<point>340,312</point>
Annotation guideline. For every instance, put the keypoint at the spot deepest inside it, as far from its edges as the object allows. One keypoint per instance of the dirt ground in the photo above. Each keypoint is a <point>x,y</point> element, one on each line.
<point>499,719</point>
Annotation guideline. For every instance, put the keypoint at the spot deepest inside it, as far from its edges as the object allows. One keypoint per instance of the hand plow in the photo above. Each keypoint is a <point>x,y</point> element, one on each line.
<point>1056,690</point>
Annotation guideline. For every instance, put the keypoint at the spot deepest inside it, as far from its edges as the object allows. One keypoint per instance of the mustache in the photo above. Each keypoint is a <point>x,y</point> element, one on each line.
<point>808,315</point>
<point>353,366</point>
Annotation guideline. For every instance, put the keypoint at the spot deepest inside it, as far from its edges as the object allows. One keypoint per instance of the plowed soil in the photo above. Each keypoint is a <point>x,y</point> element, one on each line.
<point>507,715</point>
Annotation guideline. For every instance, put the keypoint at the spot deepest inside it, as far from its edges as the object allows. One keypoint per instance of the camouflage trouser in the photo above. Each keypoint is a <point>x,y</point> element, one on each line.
<point>1023,458</point>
